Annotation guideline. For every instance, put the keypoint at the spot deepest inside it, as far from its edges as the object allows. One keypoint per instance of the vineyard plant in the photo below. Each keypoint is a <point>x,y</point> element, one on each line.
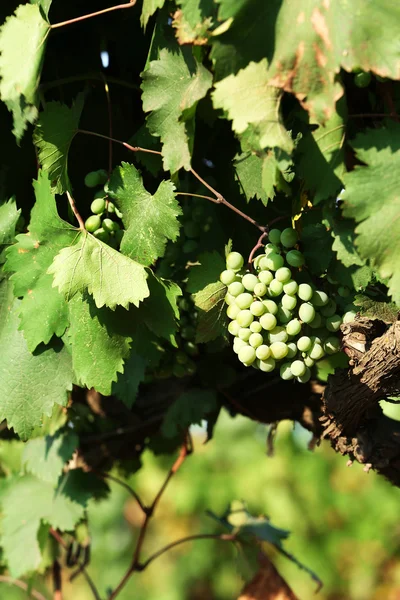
<point>199,218</point>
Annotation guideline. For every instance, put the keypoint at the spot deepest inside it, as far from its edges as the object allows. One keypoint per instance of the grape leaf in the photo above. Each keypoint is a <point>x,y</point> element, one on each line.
<point>149,220</point>
<point>172,86</point>
<point>249,169</point>
<point>53,135</point>
<point>22,45</point>
<point>98,351</point>
<point>372,198</point>
<point>316,242</point>
<point>143,138</point>
<point>249,100</point>
<point>148,9</point>
<point>212,315</point>
<point>200,275</point>
<point>109,276</point>
<point>160,311</point>
<point>127,385</point>
<point>44,5</point>
<point>30,384</point>
<point>9,216</point>
<point>30,258</point>
<point>230,8</point>
<point>189,408</point>
<point>45,457</point>
<point>194,20</point>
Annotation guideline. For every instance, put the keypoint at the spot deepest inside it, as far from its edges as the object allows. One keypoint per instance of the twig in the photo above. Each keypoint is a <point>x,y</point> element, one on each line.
<point>257,247</point>
<point>75,211</point>
<point>124,485</point>
<point>110,126</point>
<point>23,586</point>
<point>57,583</point>
<point>91,76</point>
<point>197,196</point>
<point>95,14</point>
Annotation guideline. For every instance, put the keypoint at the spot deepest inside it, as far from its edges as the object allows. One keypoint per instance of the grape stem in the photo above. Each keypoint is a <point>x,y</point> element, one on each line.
<point>95,14</point>
<point>75,211</point>
<point>124,485</point>
<point>257,247</point>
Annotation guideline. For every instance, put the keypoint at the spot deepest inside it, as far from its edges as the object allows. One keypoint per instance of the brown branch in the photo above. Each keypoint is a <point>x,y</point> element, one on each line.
<point>124,485</point>
<point>257,247</point>
<point>95,14</point>
<point>89,77</point>
<point>75,211</point>
<point>197,196</point>
<point>23,586</point>
<point>57,581</point>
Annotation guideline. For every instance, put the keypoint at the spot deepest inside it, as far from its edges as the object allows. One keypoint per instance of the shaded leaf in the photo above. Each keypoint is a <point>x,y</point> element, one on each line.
<point>9,216</point>
<point>210,267</point>
<point>45,457</point>
<point>160,311</point>
<point>316,242</point>
<point>189,408</point>
<point>148,9</point>
<point>212,315</point>
<point>249,169</point>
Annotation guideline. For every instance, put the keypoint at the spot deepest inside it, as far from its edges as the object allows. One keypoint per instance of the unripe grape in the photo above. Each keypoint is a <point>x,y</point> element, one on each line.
<point>98,206</point>
<point>256,340</point>
<point>235,288</point>
<point>111,208</point>
<point>238,344</point>
<point>92,223</point>
<point>229,299</point>
<point>278,334</point>
<point>332,345</point>
<point>263,352</point>
<point>191,348</point>
<point>275,248</point>
<point>188,332</point>
<point>110,225</point>
<point>260,289</point>
<point>268,321</point>
<point>234,261</point>
<point>316,352</point>
<point>256,327</point>
<point>343,291</point>
<point>289,237</point>
<point>289,302</point>
<point>305,292</point>
<point>333,323</point>
<point>233,311</point>
<point>329,309</point>
<point>190,367</point>
<point>292,350</point>
<point>295,258</point>
<point>362,79</point>
<point>244,333</point>
<point>227,277</point>
<point>257,308</point>
<point>190,246</point>
<point>181,358</point>
<point>267,365</point>
<point>102,235</point>
<point>244,318</point>
<point>273,261</point>
<point>247,355</point>
<point>284,315</point>
<point>95,178</point>
<point>265,277</point>
<point>285,372</point>
<point>293,327</point>
<point>306,377</point>
<point>316,339</point>
<point>278,350</point>
<point>191,229</point>
<point>349,316</point>
<point>100,194</point>
<point>244,300</point>
<point>275,288</point>
<point>271,306</point>
<point>283,274</point>
<point>118,213</point>
<point>309,362</point>
<point>290,288</point>
<point>319,298</point>
<point>306,312</point>
<point>178,370</point>
<point>298,368</point>
<point>249,281</point>
<point>274,236</point>
<point>316,322</point>
<point>304,343</point>
<point>256,261</point>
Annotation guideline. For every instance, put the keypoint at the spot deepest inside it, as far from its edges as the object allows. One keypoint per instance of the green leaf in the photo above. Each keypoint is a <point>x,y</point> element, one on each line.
<point>127,385</point>
<point>44,5</point>
<point>149,220</point>
<point>160,311</point>
<point>189,408</point>
<point>9,216</point>
<point>109,276</point>
<point>250,101</point>
<point>53,135</point>
<point>172,86</point>
<point>212,315</point>
<point>144,139</point>
<point>46,457</point>
<point>30,384</point>
<point>22,45</point>
<point>98,351</point>
<point>328,365</point>
<point>316,242</point>
<point>148,9</point>
<point>30,258</point>
<point>249,169</point>
<point>194,20</point>
<point>200,275</point>
<point>372,199</point>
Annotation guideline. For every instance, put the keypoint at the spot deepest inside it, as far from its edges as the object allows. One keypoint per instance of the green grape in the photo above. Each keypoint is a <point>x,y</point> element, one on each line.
<point>98,206</point>
<point>95,178</point>
<point>278,334</point>
<point>191,229</point>
<point>298,368</point>
<point>288,302</point>
<point>184,304</point>
<point>362,80</point>
<point>111,207</point>
<point>278,350</point>
<point>333,323</point>
<point>244,300</point>
<point>256,261</point>
<point>247,355</point>
<point>349,316</point>
<point>316,352</point>
<point>267,365</point>
<point>102,235</point>
<point>319,298</point>
<point>293,327</point>
<point>181,357</point>
<point>273,262</point>
<point>249,281</point>
<point>233,311</point>
<point>178,370</point>
<point>306,312</point>
<point>315,339</point>
<point>227,277</point>
<point>188,332</point>
<point>290,288</point>
<point>263,352</point>
<point>244,333</point>
<point>316,322</point>
<point>308,361</point>
<point>230,299</point>
<point>268,321</point>
<point>292,350</point>
<point>343,291</point>
<point>110,225</point>
<point>100,194</point>
<point>234,261</point>
<point>285,372</point>
<point>332,345</point>
<point>244,318</point>
<point>235,288</point>
<point>289,237</point>
<point>271,306</point>
<point>274,236</point>
<point>329,309</point>
<point>305,292</point>
<point>284,315</point>
<point>306,377</point>
<point>191,348</point>
<point>190,367</point>
<point>260,289</point>
<point>238,344</point>
<point>189,246</point>
<point>274,248</point>
<point>256,340</point>
<point>234,328</point>
<point>118,213</point>
<point>256,327</point>
<point>257,308</point>
<point>304,343</point>
<point>295,258</point>
<point>265,277</point>
<point>92,223</point>
<point>275,288</point>
<point>283,274</point>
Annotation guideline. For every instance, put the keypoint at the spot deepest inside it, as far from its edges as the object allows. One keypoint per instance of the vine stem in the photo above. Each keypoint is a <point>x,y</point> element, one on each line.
<point>23,586</point>
<point>95,14</point>
<point>257,247</point>
<point>89,77</point>
<point>75,211</point>
<point>124,485</point>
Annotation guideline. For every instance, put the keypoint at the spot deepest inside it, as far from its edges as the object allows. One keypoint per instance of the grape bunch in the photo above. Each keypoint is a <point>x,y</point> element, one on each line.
<point>278,323</point>
<point>102,223</point>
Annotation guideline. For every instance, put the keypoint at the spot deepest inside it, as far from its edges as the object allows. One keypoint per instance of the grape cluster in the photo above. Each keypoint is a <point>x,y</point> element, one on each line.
<point>101,222</point>
<point>278,323</point>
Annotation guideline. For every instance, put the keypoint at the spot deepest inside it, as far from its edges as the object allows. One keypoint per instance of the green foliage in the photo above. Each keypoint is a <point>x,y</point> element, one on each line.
<point>189,407</point>
<point>45,457</point>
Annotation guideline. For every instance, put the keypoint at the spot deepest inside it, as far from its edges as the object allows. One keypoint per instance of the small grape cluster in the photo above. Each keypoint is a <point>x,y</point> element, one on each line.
<point>100,223</point>
<point>278,323</point>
